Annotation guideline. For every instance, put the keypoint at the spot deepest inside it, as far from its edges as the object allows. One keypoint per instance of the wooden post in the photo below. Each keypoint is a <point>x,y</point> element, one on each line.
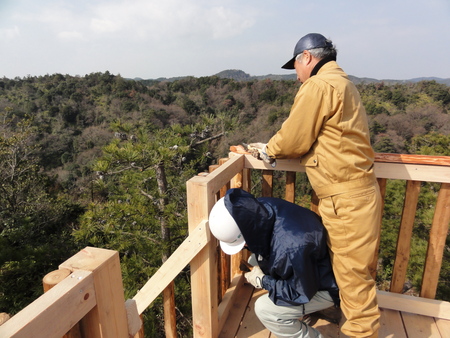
<point>236,182</point>
<point>170,323</point>
<point>267,183</point>
<point>404,236</point>
<point>436,243</point>
<point>203,267</point>
<point>290,186</point>
<point>223,267</point>
<point>108,318</point>
<point>49,281</point>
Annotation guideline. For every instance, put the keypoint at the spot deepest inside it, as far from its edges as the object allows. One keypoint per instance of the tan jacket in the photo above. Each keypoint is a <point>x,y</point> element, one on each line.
<point>327,127</point>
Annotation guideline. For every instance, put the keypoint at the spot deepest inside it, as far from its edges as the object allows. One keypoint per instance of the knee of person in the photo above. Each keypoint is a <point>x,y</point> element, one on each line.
<point>259,307</point>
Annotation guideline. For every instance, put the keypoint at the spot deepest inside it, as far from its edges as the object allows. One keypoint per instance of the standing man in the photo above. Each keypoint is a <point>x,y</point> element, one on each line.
<point>292,260</point>
<point>327,128</point>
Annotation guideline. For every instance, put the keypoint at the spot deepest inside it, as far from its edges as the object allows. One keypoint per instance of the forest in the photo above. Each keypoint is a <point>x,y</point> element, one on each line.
<point>100,160</point>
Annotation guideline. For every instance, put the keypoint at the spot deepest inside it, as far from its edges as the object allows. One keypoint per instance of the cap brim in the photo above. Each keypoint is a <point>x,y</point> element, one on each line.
<point>231,249</point>
<point>289,64</point>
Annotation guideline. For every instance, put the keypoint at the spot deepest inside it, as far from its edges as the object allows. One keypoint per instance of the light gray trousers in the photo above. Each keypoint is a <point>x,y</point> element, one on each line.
<point>284,321</point>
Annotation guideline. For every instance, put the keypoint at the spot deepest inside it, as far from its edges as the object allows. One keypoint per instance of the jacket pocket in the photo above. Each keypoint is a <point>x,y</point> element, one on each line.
<point>310,161</point>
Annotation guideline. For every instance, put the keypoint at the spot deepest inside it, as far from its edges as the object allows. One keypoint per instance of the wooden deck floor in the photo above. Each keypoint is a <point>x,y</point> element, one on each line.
<point>243,323</point>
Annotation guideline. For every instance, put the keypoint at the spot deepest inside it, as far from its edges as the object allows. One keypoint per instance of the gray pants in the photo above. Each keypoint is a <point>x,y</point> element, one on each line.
<point>283,321</point>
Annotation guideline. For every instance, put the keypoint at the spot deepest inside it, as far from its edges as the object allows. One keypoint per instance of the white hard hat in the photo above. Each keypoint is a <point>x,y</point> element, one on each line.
<point>224,228</point>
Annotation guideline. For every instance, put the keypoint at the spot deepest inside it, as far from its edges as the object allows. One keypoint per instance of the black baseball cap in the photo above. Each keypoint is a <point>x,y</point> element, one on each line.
<point>309,41</point>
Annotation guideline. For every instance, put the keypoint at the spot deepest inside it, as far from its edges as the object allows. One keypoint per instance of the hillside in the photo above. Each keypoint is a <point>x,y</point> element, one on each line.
<point>239,75</point>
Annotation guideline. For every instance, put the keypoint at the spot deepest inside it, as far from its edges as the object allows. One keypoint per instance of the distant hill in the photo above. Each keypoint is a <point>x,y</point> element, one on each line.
<point>239,75</point>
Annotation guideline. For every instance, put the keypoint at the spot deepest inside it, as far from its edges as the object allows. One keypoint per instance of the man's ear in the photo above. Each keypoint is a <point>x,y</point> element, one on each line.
<point>307,57</point>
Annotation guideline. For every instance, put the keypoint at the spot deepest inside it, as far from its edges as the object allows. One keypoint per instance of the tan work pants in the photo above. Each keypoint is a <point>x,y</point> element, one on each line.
<point>353,222</point>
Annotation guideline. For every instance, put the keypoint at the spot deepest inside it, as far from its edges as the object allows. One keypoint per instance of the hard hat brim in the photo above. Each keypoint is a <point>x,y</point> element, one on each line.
<point>231,249</point>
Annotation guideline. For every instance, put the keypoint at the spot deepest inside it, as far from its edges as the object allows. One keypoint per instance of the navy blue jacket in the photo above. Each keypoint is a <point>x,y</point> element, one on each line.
<point>289,242</point>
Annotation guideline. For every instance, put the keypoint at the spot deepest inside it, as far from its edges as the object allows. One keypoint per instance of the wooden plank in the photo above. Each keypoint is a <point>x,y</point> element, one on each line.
<point>419,326</point>
<point>251,327</point>
<point>417,305</point>
<point>290,186</point>
<point>181,257</point>
<point>443,326</point>
<point>436,243</point>
<point>204,291</point>
<point>56,311</point>
<point>413,172</point>
<point>413,159</point>
<point>391,324</point>
<point>237,311</point>
<point>267,183</point>
<point>404,236</point>
<point>109,317</point>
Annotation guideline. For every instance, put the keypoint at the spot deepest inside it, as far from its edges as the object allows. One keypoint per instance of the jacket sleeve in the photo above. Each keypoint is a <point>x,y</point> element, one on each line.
<point>300,130</point>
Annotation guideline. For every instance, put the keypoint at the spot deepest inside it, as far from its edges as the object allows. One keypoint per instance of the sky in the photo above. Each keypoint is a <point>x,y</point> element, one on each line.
<point>150,39</point>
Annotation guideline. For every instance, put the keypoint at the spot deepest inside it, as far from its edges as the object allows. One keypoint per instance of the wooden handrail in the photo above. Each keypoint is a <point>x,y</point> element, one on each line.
<point>412,159</point>
<point>181,257</point>
<point>69,301</point>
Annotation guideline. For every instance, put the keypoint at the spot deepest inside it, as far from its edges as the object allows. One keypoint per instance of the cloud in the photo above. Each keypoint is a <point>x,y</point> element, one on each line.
<point>70,35</point>
<point>159,20</point>
<point>7,34</point>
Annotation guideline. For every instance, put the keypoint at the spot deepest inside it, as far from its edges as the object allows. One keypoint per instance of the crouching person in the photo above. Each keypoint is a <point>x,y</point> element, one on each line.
<point>292,260</point>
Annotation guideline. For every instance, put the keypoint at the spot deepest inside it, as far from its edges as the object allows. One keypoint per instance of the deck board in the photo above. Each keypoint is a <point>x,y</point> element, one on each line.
<point>251,327</point>
<point>235,318</point>
<point>419,326</point>
<point>394,323</point>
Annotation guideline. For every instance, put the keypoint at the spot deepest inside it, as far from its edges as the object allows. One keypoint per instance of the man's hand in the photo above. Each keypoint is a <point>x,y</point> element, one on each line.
<point>258,150</point>
<point>255,277</point>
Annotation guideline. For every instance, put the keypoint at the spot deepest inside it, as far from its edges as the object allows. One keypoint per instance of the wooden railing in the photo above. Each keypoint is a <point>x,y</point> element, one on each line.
<point>92,295</point>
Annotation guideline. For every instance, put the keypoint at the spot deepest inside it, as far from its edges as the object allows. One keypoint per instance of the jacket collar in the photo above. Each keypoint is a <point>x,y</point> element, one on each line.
<point>320,64</point>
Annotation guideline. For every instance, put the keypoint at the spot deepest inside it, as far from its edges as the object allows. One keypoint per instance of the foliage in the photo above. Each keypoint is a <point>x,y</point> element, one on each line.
<point>35,225</point>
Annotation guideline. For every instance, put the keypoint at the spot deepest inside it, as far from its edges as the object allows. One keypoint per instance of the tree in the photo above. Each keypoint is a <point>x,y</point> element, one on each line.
<point>142,210</point>
<point>34,225</point>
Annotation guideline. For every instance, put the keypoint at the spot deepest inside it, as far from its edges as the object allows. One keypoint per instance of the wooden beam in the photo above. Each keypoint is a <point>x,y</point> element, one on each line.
<point>436,243</point>
<point>181,257</point>
<point>417,305</point>
<point>412,159</point>
<point>413,172</point>
<point>56,311</point>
